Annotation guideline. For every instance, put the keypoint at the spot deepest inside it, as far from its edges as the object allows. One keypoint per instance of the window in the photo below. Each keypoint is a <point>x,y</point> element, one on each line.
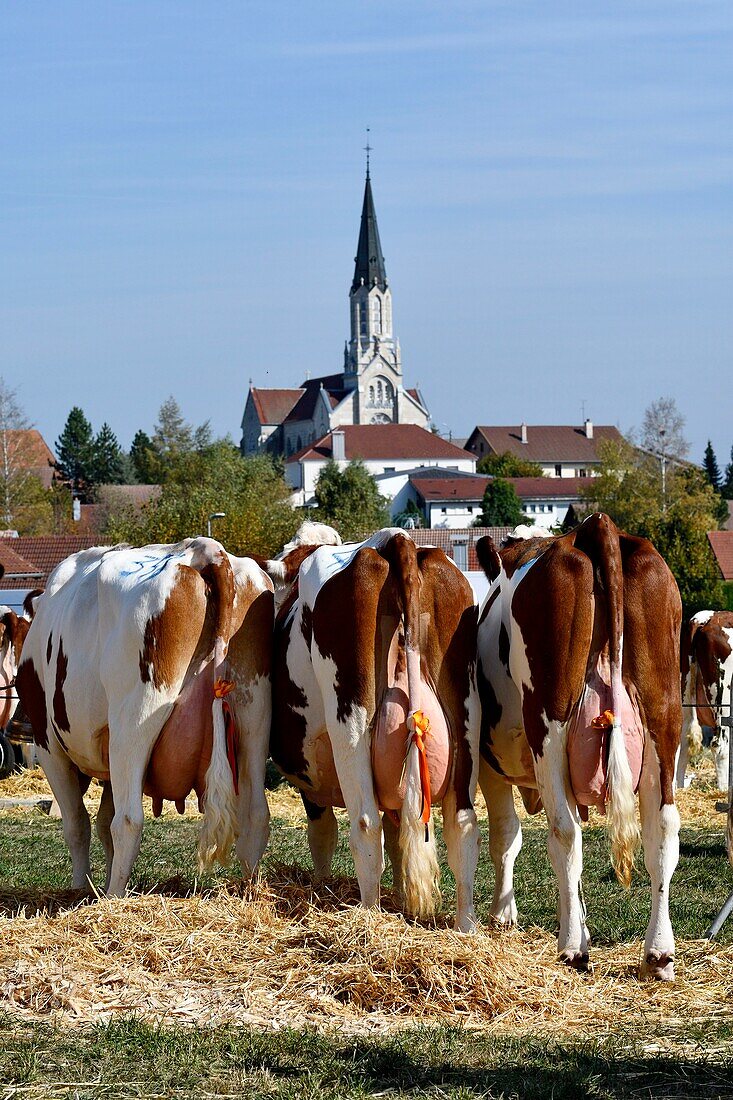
<point>582,472</point>
<point>377,314</point>
<point>460,554</point>
<point>362,319</point>
<point>389,469</point>
<point>558,470</point>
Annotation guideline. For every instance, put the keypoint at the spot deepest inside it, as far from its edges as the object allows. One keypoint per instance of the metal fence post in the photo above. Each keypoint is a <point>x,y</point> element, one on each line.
<point>727,909</point>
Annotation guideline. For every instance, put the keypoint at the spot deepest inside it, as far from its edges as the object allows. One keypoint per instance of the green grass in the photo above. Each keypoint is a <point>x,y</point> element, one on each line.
<point>34,862</point>
<point>130,1059</point>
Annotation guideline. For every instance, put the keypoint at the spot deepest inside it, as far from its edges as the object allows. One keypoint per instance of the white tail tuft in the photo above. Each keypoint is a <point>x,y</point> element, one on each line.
<point>623,828</point>
<point>219,827</point>
<point>419,859</point>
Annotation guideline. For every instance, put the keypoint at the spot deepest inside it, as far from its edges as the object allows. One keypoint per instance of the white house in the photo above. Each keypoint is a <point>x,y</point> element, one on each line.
<point>562,450</point>
<point>390,452</point>
<point>453,500</point>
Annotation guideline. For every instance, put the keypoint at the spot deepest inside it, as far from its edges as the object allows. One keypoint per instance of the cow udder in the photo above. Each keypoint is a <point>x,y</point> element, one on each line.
<point>182,753</point>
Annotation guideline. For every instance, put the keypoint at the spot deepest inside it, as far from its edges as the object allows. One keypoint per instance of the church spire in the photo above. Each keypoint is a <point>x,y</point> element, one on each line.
<point>369,269</point>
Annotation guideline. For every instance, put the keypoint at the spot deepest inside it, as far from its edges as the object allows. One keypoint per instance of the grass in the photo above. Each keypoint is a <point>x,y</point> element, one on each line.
<point>129,1058</point>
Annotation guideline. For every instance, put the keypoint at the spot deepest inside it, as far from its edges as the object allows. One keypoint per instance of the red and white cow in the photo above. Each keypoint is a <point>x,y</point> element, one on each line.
<point>13,629</point>
<point>150,670</point>
<point>579,683</point>
<point>375,709</point>
<point>706,663</point>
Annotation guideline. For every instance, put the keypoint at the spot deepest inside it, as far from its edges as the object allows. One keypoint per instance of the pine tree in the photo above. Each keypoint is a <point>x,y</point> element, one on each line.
<point>711,468</point>
<point>726,488</point>
<point>75,453</point>
<point>145,459</point>
<point>173,435</point>
<point>107,465</point>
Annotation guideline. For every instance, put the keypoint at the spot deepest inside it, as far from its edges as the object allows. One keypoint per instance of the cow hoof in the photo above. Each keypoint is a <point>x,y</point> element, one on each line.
<point>465,923</point>
<point>503,923</point>
<point>659,966</point>
<point>578,960</point>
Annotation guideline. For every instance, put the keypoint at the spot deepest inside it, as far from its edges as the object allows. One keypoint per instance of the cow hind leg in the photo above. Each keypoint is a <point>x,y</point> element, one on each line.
<point>102,826</point>
<point>64,779</point>
<point>323,837</point>
<point>461,835</point>
<point>253,812</point>
<point>720,747</point>
<point>563,844</point>
<point>660,826</point>
<point>505,842</point>
<point>352,757</point>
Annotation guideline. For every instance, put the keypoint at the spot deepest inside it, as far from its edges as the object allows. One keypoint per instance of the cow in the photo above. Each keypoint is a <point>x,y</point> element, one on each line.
<point>706,665</point>
<point>375,708</point>
<point>149,669</point>
<point>579,682</point>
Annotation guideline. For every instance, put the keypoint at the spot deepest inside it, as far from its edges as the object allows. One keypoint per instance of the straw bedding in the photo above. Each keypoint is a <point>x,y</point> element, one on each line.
<point>279,954</point>
<point>282,952</point>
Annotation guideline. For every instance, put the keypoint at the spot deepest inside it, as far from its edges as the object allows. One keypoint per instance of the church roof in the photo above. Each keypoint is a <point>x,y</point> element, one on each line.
<point>369,260</point>
<point>333,384</point>
<point>383,441</point>
<point>272,406</point>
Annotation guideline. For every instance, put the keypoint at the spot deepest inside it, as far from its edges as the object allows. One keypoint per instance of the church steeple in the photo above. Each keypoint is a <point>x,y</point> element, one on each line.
<point>369,270</point>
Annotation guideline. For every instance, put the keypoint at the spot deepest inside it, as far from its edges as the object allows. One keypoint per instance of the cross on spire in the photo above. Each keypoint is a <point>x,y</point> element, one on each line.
<point>367,149</point>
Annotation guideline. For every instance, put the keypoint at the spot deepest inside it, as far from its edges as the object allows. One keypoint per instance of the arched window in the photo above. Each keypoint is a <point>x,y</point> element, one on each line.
<point>387,391</point>
<point>377,314</point>
<point>379,391</point>
<point>362,318</point>
<point>371,395</point>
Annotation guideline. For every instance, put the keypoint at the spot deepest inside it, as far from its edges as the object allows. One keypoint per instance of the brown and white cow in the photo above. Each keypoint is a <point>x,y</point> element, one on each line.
<point>579,682</point>
<point>706,664</point>
<point>150,670</point>
<point>375,709</point>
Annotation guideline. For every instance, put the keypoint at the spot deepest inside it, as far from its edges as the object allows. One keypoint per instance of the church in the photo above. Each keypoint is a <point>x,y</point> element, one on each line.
<point>369,390</point>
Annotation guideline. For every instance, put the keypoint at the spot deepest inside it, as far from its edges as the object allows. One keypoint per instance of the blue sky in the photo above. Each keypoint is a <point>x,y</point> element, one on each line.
<point>182,182</point>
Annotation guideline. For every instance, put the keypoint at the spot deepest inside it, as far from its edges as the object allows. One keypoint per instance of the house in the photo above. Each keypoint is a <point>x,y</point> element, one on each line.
<point>368,390</point>
<point>560,449</point>
<point>29,561</point>
<point>27,451</point>
<point>390,452</point>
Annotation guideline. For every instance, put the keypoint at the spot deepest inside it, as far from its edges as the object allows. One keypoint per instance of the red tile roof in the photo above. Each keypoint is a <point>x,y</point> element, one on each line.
<point>383,441</point>
<point>450,488</point>
<point>546,443</point>
<point>29,451</point>
<point>272,406</point>
<point>333,384</point>
<point>445,539</point>
<point>13,563</point>
<point>44,553</point>
<point>722,546</point>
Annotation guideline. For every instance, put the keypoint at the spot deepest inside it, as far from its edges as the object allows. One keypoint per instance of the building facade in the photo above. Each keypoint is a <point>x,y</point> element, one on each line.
<point>368,390</point>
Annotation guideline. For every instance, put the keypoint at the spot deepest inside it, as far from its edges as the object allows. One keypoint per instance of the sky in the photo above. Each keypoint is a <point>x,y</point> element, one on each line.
<point>182,182</point>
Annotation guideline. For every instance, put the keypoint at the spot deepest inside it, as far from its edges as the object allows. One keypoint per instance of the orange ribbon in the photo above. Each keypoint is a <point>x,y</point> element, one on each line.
<point>603,721</point>
<point>223,687</point>
<point>422,728</point>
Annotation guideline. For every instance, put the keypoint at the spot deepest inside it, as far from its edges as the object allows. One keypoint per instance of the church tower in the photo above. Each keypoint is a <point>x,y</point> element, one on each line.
<point>372,362</point>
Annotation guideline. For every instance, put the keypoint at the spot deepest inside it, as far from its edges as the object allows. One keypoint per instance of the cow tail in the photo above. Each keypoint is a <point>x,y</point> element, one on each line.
<point>219,828</point>
<point>418,856</point>
<point>623,828</point>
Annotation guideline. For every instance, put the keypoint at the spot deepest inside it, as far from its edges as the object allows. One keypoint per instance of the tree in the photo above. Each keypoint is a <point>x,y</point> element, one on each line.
<point>75,453</point>
<point>21,491</point>
<point>350,501</point>
<point>711,468</point>
<point>676,520</point>
<point>501,507</point>
<point>726,488</point>
<point>508,465</point>
<point>145,460</point>
<point>662,431</point>
<point>259,519</point>
<point>108,466</point>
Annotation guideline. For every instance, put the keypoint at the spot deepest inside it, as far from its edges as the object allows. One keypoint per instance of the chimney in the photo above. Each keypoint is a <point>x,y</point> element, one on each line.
<point>524,433</point>
<point>338,445</point>
<point>588,429</point>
